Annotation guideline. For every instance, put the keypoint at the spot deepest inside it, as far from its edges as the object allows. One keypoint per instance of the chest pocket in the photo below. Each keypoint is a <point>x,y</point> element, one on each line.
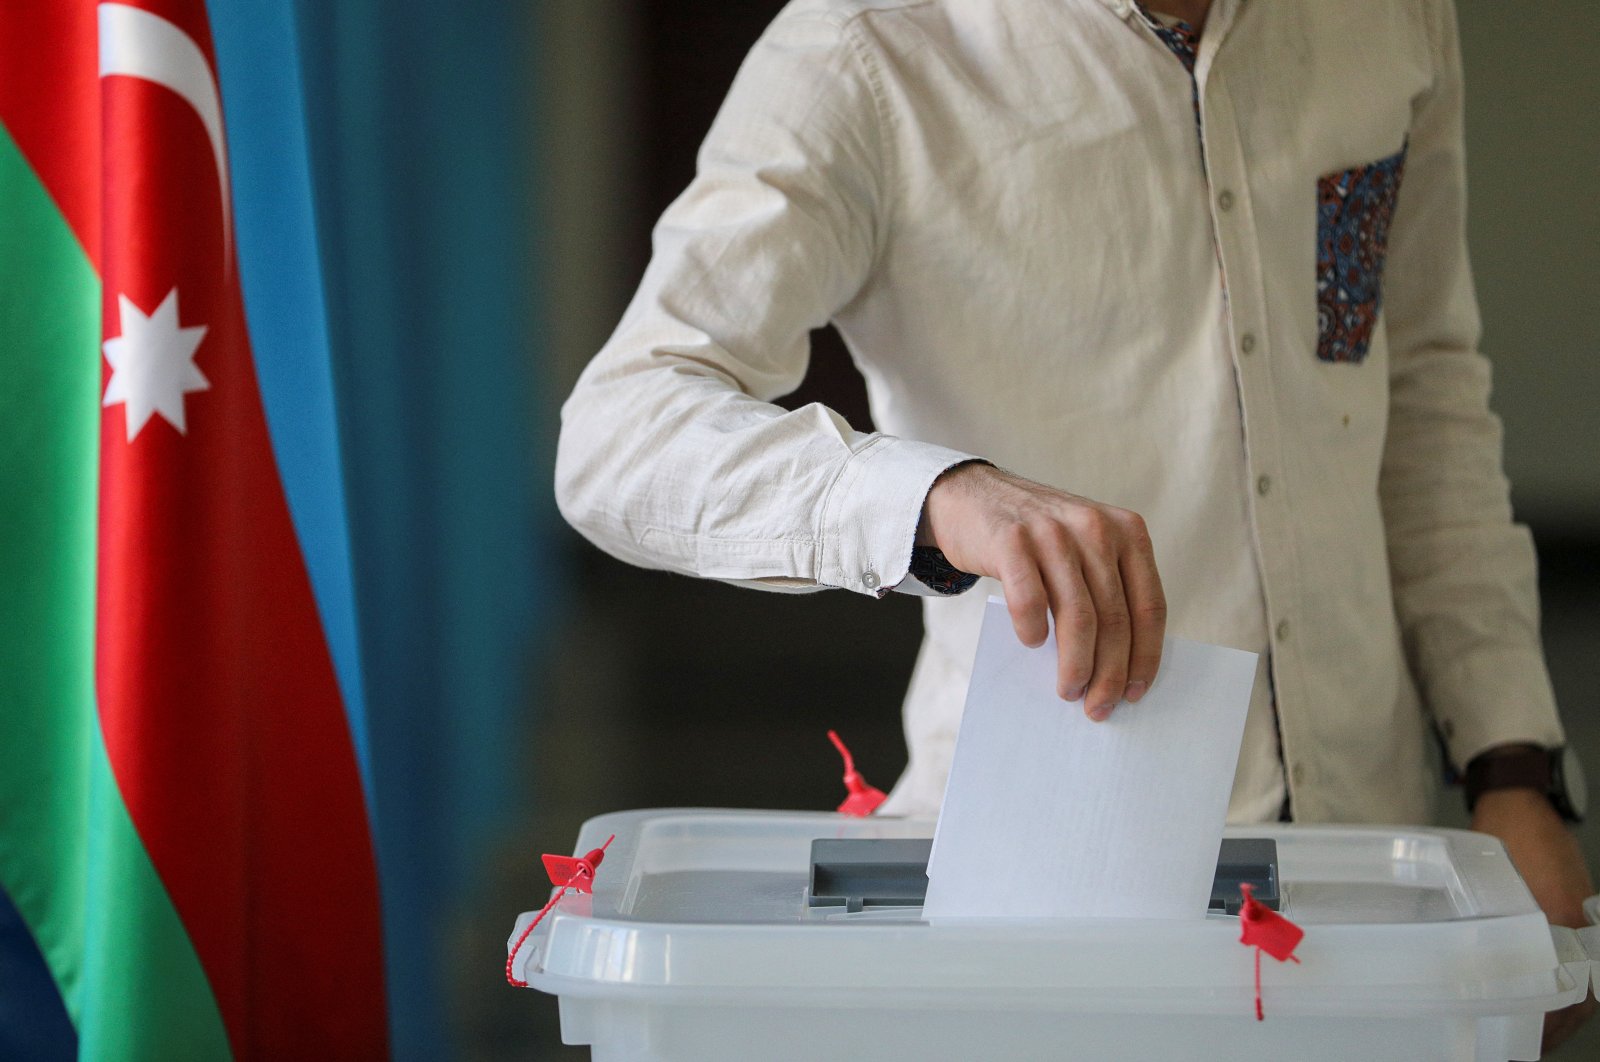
<point>1354,208</point>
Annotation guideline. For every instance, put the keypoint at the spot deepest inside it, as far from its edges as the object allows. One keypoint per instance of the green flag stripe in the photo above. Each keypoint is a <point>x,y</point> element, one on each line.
<point>69,855</point>
<point>143,993</point>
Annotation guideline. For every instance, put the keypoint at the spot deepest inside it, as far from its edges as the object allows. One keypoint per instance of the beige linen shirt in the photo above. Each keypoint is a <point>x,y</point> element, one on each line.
<point>1004,207</point>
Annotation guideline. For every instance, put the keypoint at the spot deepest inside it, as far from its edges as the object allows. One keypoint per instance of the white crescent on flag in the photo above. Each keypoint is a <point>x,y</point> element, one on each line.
<point>135,43</point>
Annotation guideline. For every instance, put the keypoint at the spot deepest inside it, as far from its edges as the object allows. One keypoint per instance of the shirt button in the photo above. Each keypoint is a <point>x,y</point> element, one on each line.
<point>1263,485</point>
<point>1247,342</point>
<point>869,580</point>
<point>1297,774</point>
<point>1283,630</point>
<point>1225,200</point>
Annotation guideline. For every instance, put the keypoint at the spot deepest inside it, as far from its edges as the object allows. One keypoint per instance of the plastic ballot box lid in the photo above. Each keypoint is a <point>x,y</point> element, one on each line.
<point>698,942</point>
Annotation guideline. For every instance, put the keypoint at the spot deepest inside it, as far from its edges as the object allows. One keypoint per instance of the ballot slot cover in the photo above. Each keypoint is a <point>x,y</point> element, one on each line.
<point>861,873</point>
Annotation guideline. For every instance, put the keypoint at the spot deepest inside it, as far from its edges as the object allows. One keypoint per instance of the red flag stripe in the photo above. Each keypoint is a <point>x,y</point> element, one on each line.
<point>50,104</point>
<point>217,694</point>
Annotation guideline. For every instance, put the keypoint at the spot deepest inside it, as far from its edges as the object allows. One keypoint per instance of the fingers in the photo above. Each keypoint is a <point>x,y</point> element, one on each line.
<point>1076,621</point>
<point>1109,608</point>
<point>1113,633</point>
<point>1088,566</point>
<point>1026,600</point>
<point>1147,609</point>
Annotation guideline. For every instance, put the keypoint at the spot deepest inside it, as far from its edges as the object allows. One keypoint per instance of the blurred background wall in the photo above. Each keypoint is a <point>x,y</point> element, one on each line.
<point>657,690</point>
<point>1533,140</point>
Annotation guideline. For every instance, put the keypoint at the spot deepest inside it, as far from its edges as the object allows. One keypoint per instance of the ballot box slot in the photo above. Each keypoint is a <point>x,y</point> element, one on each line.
<point>863,873</point>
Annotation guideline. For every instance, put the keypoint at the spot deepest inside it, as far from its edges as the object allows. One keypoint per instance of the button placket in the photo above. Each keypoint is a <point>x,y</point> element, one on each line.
<point>1239,256</point>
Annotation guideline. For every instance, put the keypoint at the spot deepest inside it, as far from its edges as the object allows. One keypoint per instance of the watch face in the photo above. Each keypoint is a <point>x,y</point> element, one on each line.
<point>1572,780</point>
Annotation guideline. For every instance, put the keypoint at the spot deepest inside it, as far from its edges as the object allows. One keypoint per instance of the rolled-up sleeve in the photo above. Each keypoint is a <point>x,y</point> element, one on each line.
<point>672,454</point>
<point>1463,571</point>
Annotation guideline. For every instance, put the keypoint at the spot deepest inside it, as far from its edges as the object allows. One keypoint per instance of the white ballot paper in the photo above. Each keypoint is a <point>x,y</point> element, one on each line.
<point>1051,815</point>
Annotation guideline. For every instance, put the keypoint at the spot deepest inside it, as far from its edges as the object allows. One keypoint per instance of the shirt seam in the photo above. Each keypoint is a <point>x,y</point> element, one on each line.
<point>824,511</point>
<point>731,543</point>
<point>1435,38</point>
<point>841,19</point>
<point>885,125</point>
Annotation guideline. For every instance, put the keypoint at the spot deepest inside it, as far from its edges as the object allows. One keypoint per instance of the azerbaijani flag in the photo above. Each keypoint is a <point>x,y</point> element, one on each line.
<point>183,824</point>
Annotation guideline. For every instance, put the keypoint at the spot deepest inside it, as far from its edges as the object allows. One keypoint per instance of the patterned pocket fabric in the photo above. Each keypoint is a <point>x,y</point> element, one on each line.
<point>1354,208</point>
<point>935,572</point>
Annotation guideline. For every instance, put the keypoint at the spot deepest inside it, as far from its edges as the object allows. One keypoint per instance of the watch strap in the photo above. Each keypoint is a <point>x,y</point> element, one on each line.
<point>1524,767</point>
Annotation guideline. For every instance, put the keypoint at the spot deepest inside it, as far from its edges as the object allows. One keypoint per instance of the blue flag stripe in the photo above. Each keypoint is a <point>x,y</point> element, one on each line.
<point>282,277</point>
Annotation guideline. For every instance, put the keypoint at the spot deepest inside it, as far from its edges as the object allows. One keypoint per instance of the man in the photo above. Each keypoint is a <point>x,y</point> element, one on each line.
<point>1198,279</point>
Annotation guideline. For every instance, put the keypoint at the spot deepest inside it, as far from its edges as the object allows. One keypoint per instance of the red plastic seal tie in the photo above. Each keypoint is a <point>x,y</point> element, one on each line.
<point>1266,930</point>
<point>863,798</point>
<point>567,872</point>
<point>573,871</point>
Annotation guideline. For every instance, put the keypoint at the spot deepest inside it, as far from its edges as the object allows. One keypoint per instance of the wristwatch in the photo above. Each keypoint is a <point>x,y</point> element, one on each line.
<point>1554,772</point>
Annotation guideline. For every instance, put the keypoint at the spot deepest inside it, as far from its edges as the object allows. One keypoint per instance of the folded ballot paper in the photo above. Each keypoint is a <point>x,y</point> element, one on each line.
<point>1050,815</point>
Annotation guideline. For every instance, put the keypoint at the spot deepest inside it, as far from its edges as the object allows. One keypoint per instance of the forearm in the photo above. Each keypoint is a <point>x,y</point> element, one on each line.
<point>672,467</point>
<point>1462,572</point>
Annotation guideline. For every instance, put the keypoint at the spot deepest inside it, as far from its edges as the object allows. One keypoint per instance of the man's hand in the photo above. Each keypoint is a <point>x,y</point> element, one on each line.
<point>1547,856</point>
<point>1091,566</point>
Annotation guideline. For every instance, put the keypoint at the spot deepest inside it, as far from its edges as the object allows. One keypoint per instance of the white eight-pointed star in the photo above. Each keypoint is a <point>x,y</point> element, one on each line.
<point>152,364</point>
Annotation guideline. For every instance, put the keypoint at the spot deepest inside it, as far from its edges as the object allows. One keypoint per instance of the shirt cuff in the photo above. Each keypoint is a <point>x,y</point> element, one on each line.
<point>1495,699</point>
<point>870,517</point>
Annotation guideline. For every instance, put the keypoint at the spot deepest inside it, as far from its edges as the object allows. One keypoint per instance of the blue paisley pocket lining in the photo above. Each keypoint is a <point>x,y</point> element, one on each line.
<point>1354,208</point>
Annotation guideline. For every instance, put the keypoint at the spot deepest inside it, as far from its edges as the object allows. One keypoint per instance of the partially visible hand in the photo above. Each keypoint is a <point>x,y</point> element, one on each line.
<point>1547,855</point>
<point>1089,565</point>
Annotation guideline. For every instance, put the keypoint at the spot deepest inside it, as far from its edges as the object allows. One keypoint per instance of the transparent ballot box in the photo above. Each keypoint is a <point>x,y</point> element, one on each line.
<point>699,943</point>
